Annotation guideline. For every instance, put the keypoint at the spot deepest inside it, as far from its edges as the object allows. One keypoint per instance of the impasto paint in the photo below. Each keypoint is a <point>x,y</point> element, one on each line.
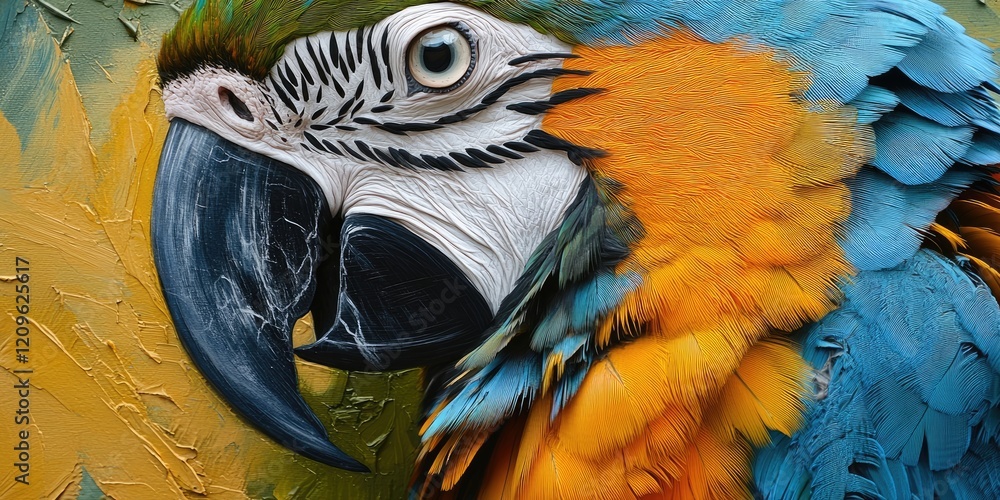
<point>113,405</point>
<point>101,399</point>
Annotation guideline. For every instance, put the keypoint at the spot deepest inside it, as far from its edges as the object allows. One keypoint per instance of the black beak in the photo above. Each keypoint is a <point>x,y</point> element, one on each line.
<point>245,245</point>
<point>236,243</point>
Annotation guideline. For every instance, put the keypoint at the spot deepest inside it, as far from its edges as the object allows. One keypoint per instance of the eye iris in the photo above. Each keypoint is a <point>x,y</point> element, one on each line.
<point>437,51</point>
<point>440,59</point>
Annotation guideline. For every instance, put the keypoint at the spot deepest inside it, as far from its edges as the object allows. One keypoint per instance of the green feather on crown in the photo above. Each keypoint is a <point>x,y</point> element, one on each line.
<point>250,35</point>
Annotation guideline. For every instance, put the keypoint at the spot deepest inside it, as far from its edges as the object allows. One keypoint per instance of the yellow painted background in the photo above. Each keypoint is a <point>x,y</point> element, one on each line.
<point>116,407</point>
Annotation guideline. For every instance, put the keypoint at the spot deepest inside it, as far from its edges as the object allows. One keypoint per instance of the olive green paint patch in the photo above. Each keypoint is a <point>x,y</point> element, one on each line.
<point>29,67</point>
<point>101,53</point>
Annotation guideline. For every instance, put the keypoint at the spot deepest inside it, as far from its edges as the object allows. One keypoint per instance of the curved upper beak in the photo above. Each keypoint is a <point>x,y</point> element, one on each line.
<point>245,245</point>
<point>236,244</point>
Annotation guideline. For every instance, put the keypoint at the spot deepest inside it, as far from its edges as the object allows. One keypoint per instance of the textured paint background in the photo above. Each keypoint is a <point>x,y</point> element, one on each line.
<point>116,407</point>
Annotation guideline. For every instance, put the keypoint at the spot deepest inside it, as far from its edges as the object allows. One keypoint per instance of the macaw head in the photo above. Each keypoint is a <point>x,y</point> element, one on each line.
<point>545,200</point>
<point>379,164</point>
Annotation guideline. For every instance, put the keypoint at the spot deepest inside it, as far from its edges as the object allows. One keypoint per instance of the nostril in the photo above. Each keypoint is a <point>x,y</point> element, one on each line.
<point>239,107</point>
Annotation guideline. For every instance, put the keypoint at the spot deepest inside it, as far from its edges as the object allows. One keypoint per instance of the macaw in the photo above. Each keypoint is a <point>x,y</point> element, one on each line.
<point>642,248</point>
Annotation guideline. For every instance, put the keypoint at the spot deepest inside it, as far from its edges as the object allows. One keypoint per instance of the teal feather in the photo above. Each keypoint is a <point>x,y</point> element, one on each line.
<point>911,399</point>
<point>916,150</point>
<point>568,287</point>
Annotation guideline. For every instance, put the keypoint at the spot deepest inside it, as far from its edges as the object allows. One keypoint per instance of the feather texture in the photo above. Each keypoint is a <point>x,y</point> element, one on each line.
<point>747,211</point>
<point>892,415</point>
<point>678,353</point>
<point>754,167</point>
<point>250,35</point>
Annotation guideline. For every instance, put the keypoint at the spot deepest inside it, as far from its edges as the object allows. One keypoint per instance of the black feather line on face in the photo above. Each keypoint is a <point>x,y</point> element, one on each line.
<point>346,106</point>
<point>357,107</point>
<point>502,151</point>
<point>351,151</point>
<point>359,45</point>
<point>387,158</point>
<point>321,62</point>
<point>350,55</point>
<point>468,161</point>
<point>338,87</point>
<point>282,95</point>
<point>375,65</point>
<point>291,82</point>
<point>537,107</point>
<point>541,56</point>
<point>576,153</point>
<point>305,73</point>
<point>334,51</point>
<point>385,56</point>
<point>331,148</point>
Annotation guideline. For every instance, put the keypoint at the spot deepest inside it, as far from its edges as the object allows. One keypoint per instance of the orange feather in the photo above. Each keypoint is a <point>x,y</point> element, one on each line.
<point>739,186</point>
<point>968,228</point>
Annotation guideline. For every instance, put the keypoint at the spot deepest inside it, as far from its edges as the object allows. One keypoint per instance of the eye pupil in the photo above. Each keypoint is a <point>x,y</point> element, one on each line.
<point>437,58</point>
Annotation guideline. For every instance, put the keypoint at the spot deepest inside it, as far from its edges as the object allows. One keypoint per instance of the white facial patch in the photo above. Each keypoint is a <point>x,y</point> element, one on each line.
<point>466,168</point>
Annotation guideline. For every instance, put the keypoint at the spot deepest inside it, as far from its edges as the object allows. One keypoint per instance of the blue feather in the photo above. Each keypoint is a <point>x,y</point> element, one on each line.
<point>568,385</point>
<point>956,109</point>
<point>985,149</point>
<point>945,118</point>
<point>874,102</point>
<point>949,61</point>
<point>915,150</point>
<point>887,216</point>
<point>580,307</point>
<point>491,395</point>
<point>978,476</point>
<point>779,473</point>
<point>513,378</point>
<point>907,400</point>
<point>840,43</point>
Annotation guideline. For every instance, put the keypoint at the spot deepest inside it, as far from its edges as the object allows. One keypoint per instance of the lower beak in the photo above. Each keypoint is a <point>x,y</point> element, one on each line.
<point>245,245</point>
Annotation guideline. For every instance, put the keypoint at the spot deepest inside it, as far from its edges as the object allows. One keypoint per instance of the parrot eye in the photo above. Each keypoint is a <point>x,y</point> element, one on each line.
<point>441,58</point>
